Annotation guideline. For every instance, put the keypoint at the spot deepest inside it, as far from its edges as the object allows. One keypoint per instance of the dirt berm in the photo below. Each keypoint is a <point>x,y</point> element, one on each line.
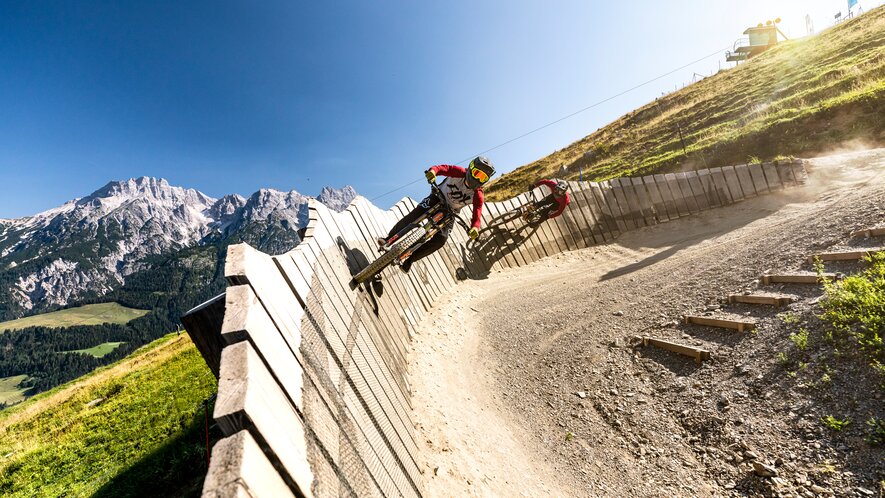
<point>525,383</point>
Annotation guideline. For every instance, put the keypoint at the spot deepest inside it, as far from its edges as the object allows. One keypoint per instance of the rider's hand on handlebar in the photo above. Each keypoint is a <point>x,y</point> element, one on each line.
<point>473,233</point>
<point>431,176</point>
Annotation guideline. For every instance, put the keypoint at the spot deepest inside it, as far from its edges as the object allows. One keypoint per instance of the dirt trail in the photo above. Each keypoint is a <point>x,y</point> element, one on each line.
<point>524,384</point>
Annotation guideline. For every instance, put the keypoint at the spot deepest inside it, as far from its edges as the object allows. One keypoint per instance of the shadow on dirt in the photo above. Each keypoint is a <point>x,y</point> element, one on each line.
<point>690,231</point>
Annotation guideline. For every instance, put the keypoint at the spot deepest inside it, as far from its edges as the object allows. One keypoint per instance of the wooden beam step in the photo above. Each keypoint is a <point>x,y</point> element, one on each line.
<point>797,278</point>
<point>841,256</point>
<point>773,300</point>
<point>698,354</point>
<point>708,321</point>
<point>869,232</point>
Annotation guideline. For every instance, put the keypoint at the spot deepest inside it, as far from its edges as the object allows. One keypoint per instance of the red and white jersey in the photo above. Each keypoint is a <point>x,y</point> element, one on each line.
<point>456,191</point>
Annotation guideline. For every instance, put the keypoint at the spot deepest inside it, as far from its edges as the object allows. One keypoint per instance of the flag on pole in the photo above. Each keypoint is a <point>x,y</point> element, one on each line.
<point>851,3</point>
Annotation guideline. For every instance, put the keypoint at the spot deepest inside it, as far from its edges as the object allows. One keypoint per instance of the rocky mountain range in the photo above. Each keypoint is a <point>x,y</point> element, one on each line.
<point>89,247</point>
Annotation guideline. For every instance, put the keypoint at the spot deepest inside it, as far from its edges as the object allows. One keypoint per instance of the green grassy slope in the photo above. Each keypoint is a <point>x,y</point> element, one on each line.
<point>100,350</point>
<point>146,436</point>
<point>90,314</point>
<point>802,97</point>
<point>9,391</point>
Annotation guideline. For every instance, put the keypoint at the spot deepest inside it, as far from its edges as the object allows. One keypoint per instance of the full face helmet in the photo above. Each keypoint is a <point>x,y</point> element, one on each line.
<point>479,172</point>
<point>561,188</point>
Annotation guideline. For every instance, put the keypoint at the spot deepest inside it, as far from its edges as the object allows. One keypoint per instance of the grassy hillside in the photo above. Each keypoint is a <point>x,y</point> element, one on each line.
<point>99,351</point>
<point>91,314</point>
<point>10,392</point>
<point>800,98</point>
<point>133,428</point>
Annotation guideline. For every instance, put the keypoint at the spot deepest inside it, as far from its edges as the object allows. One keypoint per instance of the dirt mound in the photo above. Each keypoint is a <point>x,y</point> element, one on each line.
<point>525,384</point>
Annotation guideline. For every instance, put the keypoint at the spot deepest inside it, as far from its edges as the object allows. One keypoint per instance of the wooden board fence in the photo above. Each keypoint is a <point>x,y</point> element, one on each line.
<point>314,396</point>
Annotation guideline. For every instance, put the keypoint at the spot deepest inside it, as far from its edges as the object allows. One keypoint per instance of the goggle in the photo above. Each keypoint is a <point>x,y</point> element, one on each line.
<point>479,174</point>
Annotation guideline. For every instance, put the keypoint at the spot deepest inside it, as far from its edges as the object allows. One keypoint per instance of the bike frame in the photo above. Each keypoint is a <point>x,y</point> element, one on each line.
<point>433,221</point>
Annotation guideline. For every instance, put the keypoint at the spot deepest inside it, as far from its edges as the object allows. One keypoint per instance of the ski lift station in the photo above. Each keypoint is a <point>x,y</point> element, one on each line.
<point>759,39</point>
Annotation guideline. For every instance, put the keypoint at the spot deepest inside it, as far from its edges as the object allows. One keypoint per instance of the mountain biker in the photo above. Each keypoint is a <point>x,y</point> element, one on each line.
<point>460,188</point>
<point>558,198</point>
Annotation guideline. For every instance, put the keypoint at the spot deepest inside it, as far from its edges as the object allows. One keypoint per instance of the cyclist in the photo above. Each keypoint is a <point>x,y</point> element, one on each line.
<point>558,198</point>
<point>460,188</point>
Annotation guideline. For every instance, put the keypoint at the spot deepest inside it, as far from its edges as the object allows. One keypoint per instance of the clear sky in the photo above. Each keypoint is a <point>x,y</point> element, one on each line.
<point>228,97</point>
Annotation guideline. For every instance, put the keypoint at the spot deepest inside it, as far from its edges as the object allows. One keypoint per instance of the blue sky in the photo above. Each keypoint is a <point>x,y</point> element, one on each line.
<point>230,97</point>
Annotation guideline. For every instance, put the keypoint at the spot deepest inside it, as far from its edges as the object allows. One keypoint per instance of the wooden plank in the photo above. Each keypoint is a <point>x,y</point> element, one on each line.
<point>249,399</point>
<point>644,200</point>
<point>799,173</point>
<point>666,196</point>
<point>623,189</point>
<point>593,214</point>
<point>771,177</point>
<point>785,174</point>
<point>869,232</point>
<point>734,183</point>
<point>721,185</point>
<point>246,319</point>
<point>366,403</point>
<point>582,214</point>
<point>772,300</point>
<point>345,403</point>
<point>578,226</point>
<point>678,197</point>
<point>797,278</point>
<point>709,188</point>
<point>844,255</point>
<point>739,325</point>
<point>605,215</point>
<point>203,325</point>
<point>360,375</point>
<point>659,209</point>
<point>758,177</point>
<point>688,196</point>
<point>698,354</point>
<point>617,206</point>
<point>389,338</point>
<point>240,469</point>
<point>698,194</point>
<point>743,174</point>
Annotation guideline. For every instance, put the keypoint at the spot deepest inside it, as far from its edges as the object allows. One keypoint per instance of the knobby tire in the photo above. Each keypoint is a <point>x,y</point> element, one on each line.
<point>385,259</point>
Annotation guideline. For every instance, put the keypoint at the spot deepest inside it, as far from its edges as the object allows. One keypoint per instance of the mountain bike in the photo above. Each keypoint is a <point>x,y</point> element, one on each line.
<point>534,212</point>
<point>403,244</point>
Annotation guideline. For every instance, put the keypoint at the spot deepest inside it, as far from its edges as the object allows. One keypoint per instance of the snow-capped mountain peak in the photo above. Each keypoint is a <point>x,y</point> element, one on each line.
<point>110,232</point>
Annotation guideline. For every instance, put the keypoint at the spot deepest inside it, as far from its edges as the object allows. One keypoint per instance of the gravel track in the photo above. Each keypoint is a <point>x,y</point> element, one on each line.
<point>526,384</point>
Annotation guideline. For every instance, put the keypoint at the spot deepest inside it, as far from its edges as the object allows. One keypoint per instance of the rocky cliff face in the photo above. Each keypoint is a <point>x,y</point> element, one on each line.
<point>90,245</point>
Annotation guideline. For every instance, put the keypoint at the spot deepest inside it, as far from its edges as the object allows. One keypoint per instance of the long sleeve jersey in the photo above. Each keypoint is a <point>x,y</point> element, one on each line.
<point>561,201</point>
<point>457,193</point>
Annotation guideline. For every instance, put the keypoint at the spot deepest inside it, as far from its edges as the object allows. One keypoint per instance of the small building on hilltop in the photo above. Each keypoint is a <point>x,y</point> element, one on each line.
<point>759,39</point>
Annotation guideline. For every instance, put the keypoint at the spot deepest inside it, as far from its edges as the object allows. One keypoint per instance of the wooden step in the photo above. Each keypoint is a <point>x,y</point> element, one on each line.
<point>739,325</point>
<point>797,278</point>
<point>842,256</point>
<point>698,354</point>
<point>869,232</point>
<point>761,299</point>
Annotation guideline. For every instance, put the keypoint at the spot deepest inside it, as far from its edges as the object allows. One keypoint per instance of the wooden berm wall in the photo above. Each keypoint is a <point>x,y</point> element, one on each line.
<point>313,393</point>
